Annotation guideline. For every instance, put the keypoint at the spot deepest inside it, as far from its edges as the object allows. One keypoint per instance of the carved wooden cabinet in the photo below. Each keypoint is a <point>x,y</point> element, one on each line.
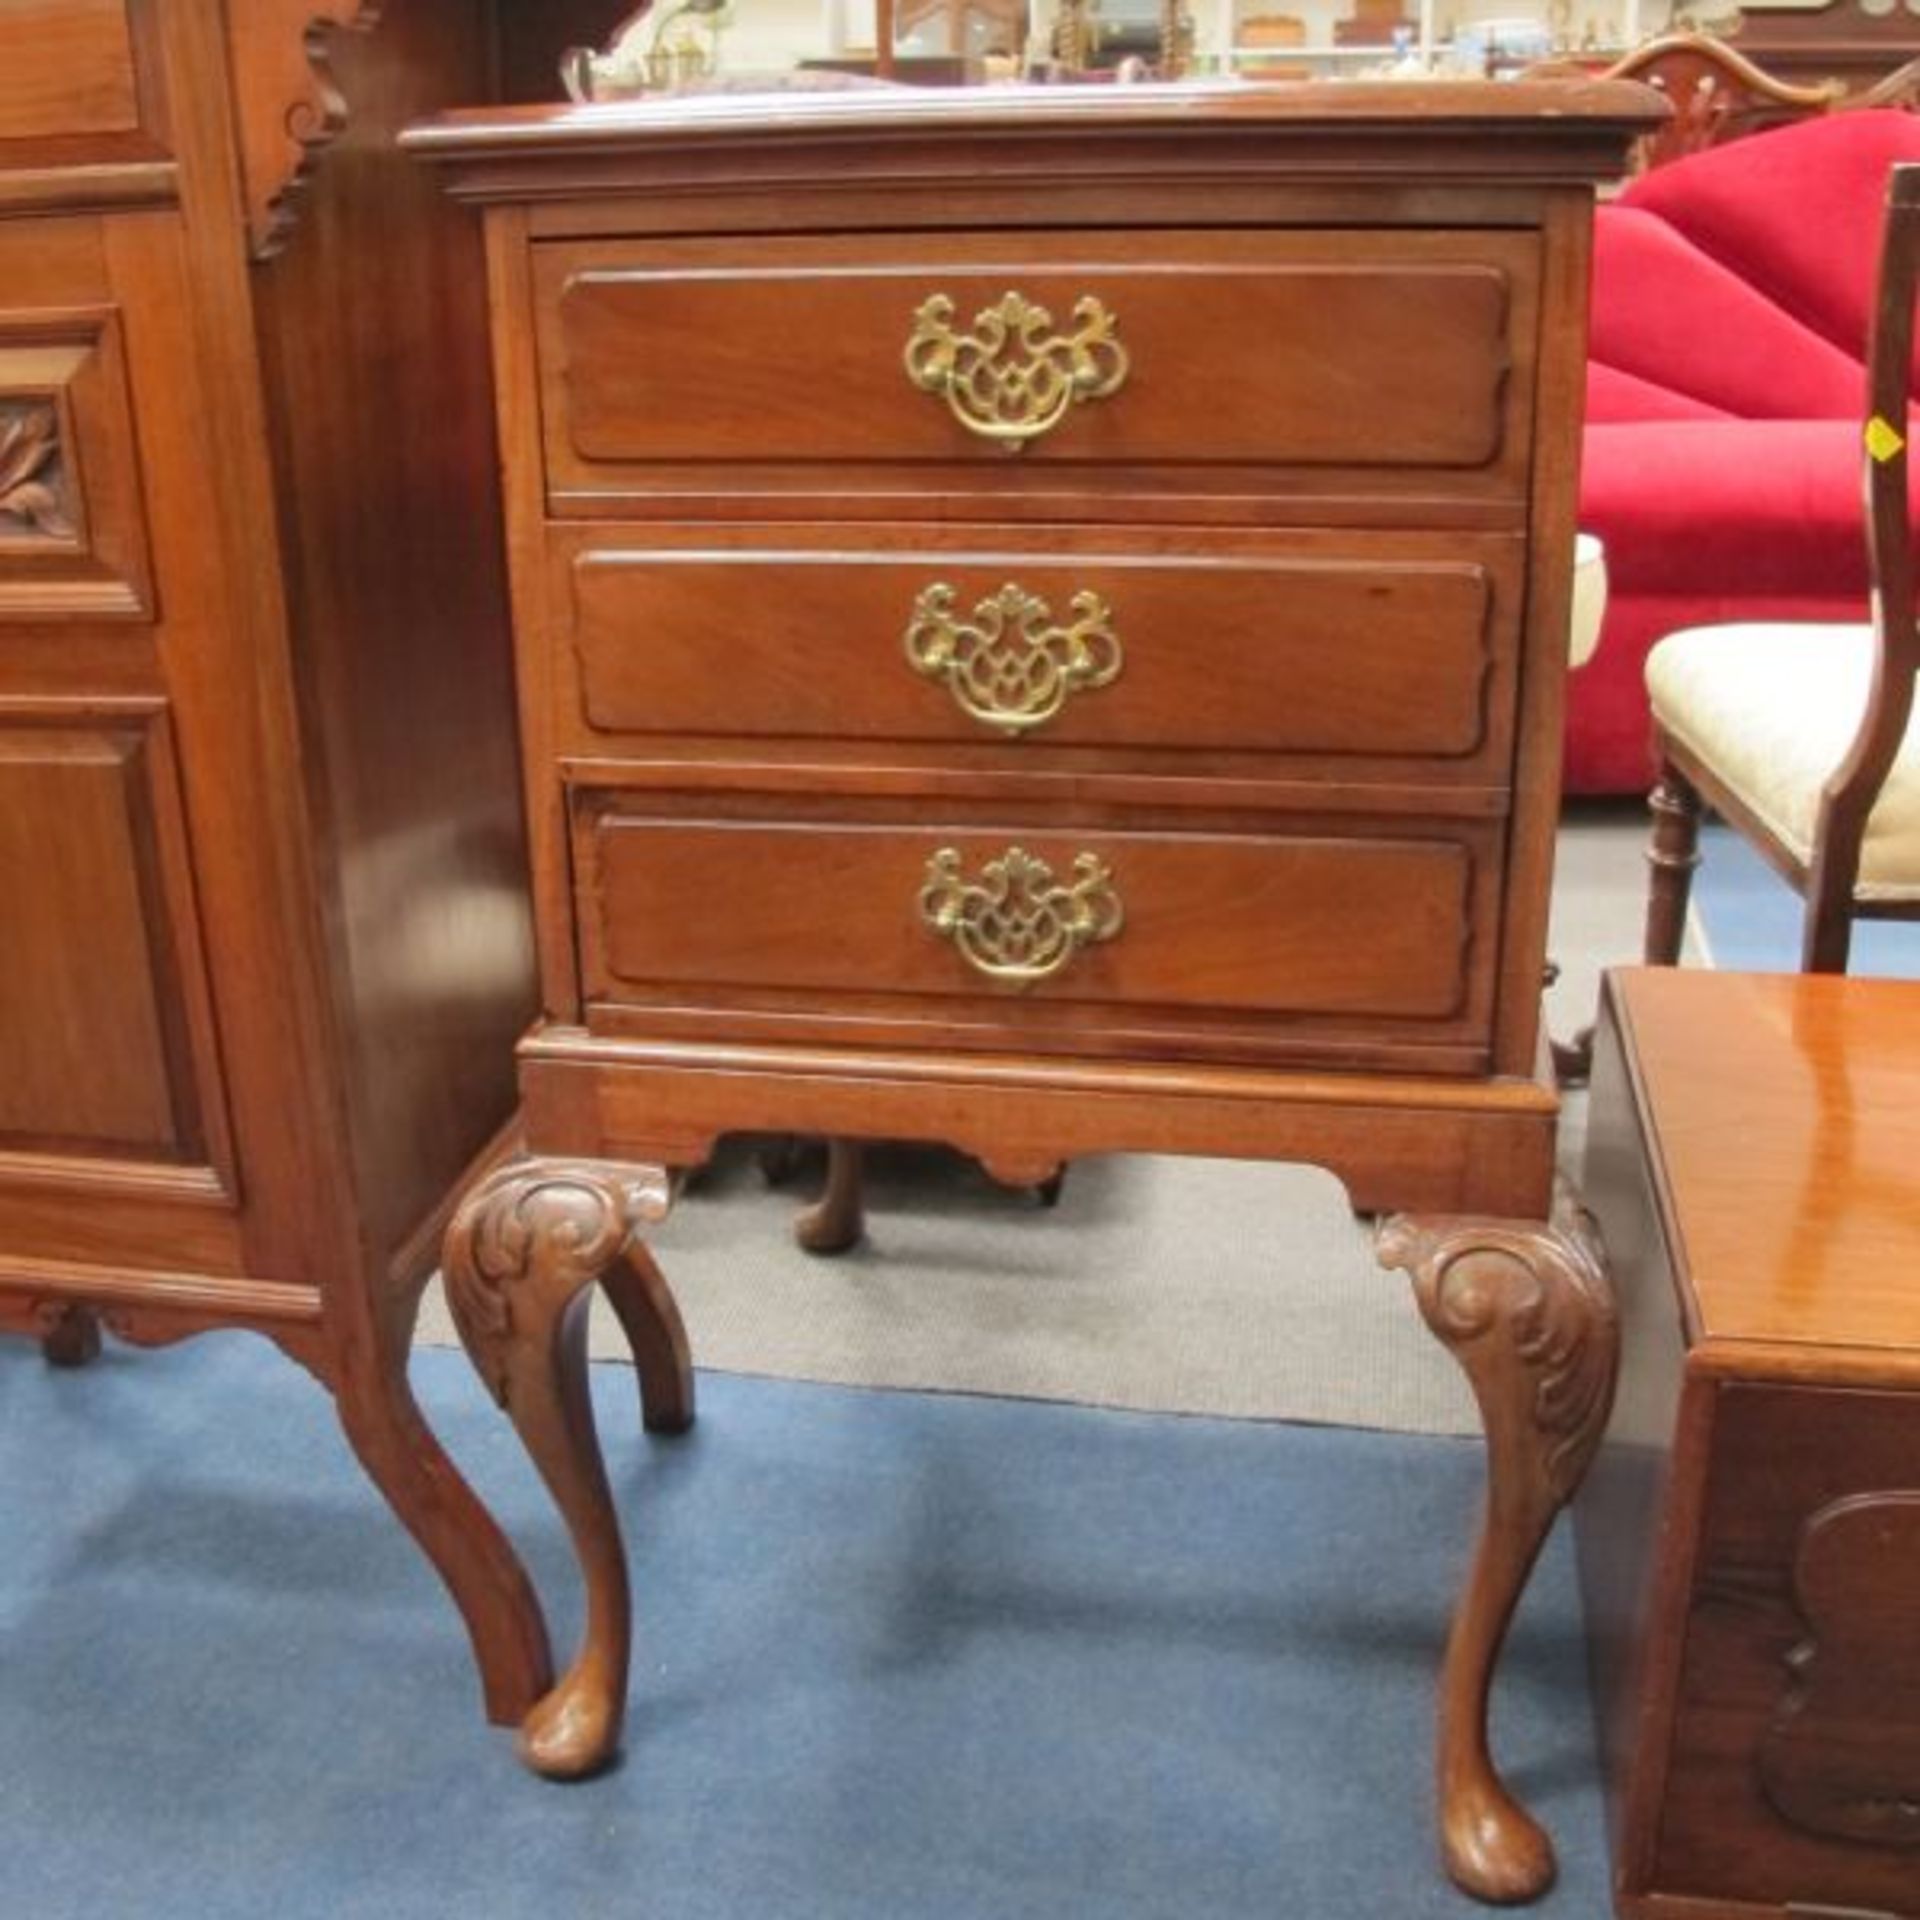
<point>1040,625</point>
<point>1750,1536</point>
<point>263,937</point>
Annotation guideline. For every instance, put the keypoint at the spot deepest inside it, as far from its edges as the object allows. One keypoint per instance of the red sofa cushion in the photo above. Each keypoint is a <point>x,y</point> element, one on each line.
<point>1732,297</point>
<point>1676,318</point>
<point>1795,213</point>
<point>1616,397</point>
<point>1731,509</point>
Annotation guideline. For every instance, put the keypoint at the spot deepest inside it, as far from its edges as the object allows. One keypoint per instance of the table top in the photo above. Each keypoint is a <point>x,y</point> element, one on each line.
<point>1782,1120</point>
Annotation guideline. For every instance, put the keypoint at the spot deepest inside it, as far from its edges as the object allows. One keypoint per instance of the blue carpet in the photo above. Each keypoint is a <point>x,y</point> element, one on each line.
<point>900,1655</point>
<point>1752,917</point>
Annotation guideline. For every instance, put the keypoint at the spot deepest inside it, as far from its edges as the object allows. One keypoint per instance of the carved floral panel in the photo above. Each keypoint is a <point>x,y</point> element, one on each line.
<point>73,540</point>
<point>35,490</point>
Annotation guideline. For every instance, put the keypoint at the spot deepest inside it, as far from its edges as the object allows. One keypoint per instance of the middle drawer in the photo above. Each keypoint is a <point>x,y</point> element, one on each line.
<point>1395,648</point>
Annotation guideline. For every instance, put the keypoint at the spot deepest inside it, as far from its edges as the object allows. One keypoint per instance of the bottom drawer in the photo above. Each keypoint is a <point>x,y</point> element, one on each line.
<point>1022,935</point>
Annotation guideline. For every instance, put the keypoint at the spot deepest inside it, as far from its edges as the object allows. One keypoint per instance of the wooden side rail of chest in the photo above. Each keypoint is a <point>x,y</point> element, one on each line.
<point>1041,619</point>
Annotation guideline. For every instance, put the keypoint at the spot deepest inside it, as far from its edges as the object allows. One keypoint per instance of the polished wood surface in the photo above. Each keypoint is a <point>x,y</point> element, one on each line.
<point>66,67</point>
<point>1747,1540</point>
<point>390,457</point>
<point>256,735</point>
<point>1802,1235</point>
<point>1273,392</point>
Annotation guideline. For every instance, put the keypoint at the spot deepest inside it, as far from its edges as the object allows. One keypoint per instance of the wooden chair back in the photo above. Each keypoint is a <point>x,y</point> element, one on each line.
<point>1717,94</point>
<point>1848,798</point>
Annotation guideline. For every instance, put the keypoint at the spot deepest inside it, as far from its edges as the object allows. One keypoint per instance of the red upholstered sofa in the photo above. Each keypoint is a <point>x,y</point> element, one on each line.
<point>1731,297</point>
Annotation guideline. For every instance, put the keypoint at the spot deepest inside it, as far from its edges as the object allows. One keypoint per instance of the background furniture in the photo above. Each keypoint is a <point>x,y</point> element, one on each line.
<point>1855,42</point>
<point>1130,736</point>
<point>1749,1538</point>
<point>1720,458</point>
<point>1797,734</point>
<point>266,942</point>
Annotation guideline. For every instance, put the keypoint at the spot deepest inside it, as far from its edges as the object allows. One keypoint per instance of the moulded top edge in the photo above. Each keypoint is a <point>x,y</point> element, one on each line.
<point>1388,110</point>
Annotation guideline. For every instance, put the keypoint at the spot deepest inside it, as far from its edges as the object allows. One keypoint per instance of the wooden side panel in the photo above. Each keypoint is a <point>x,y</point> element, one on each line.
<point>66,67</point>
<point>371,336</point>
<point>100,985</point>
<point>1780,1791</point>
<point>1635,1564</point>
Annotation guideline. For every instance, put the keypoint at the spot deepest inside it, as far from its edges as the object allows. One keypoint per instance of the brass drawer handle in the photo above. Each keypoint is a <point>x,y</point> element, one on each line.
<point>1013,378</point>
<point>1007,663</point>
<point>1017,923</point>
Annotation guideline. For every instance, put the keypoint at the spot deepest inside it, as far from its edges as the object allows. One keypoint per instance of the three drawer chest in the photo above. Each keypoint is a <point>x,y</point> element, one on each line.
<point>1041,619</point>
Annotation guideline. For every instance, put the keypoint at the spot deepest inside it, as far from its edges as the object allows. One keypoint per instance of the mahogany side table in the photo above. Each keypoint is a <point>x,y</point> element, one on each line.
<point>1041,618</point>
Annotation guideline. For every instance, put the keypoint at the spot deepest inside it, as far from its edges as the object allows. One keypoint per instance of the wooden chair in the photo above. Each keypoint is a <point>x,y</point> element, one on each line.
<point>1797,735</point>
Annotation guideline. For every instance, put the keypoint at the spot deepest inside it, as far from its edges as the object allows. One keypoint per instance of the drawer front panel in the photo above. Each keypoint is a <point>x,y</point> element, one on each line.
<point>1034,921</point>
<point>1381,657</point>
<point>1019,359</point>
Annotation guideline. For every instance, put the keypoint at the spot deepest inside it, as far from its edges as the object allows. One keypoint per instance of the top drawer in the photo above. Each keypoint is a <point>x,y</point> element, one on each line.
<point>1361,365</point>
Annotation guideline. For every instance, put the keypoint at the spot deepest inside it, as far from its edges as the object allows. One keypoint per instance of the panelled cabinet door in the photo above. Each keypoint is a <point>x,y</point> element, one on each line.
<point>111,1088</point>
<point>104,1023</point>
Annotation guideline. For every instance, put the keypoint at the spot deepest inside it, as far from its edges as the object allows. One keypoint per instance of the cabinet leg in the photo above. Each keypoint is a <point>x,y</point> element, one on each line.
<point>386,1429</point>
<point>523,1254</point>
<point>650,1318</point>
<point>1527,1310</point>
<point>838,1218</point>
<point>71,1337</point>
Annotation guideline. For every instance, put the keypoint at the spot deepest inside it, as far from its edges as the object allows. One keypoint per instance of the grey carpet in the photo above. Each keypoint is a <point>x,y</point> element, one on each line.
<point>1189,1286</point>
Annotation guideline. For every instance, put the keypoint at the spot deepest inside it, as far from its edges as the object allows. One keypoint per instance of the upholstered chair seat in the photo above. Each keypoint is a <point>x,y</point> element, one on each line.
<point>1773,709</point>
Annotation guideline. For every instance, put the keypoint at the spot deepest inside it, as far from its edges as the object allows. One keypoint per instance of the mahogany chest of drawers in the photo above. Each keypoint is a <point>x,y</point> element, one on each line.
<point>1041,620</point>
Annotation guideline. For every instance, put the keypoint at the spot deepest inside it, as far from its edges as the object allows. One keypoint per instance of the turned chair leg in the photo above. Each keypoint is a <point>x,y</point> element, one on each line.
<point>523,1254</point>
<point>1672,855</point>
<point>1528,1312</point>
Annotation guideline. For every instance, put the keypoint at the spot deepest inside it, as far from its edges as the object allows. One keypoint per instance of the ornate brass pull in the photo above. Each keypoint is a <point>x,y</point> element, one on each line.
<point>1017,922</point>
<point>1013,378</point>
<point>1006,663</point>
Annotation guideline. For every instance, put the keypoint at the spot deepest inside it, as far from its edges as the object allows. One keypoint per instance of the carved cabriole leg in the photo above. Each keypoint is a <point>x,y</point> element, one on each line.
<point>838,1218</point>
<point>1672,855</point>
<point>1528,1312</point>
<point>389,1434</point>
<point>650,1318</point>
<point>522,1256</point>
